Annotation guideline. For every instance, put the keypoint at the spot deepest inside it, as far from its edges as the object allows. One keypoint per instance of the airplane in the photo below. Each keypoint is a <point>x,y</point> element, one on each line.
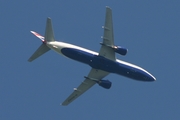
<point>102,63</point>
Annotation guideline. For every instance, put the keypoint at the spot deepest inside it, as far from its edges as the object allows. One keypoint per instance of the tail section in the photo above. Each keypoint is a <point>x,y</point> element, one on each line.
<point>38,35</point>
<point>40,51</point>
<point>49,37</point>
<point>49,34</point>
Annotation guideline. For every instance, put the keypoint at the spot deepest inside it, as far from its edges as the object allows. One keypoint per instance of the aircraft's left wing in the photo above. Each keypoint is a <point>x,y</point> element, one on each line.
<point>85,85</point>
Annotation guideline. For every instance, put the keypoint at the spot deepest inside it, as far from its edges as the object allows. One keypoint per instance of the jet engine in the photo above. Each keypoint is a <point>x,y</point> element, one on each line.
<point>105,84</point>
<point>120,50</point>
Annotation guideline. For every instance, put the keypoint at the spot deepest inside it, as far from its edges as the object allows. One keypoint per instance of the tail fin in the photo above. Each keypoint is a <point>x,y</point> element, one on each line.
<point>49,36</point>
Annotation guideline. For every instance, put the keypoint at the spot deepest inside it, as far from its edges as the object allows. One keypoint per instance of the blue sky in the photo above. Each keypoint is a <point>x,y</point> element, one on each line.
<point>149,29</point>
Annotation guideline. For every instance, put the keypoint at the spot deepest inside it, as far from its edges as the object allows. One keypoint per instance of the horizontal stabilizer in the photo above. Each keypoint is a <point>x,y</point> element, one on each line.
<point>38,35</point>
<point>40,51</point>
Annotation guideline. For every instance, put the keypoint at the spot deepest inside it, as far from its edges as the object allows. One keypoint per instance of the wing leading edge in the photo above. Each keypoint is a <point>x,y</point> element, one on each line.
<point>85,85</point>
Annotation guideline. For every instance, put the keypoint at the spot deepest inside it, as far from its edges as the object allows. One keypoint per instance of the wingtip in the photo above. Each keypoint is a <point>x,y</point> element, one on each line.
<point>29,60</point>
<point>48,18</point>
<point>108,7</point>
<point>62,104</point>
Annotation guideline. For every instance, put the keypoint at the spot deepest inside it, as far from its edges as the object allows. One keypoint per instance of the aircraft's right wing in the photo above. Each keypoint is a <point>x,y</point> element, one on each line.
<point>86,84</point>
<point>108,37</point>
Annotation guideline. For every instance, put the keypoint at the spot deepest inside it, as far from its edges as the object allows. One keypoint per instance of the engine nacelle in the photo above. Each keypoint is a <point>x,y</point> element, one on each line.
<point>120,50</point>
<point>105,83</point>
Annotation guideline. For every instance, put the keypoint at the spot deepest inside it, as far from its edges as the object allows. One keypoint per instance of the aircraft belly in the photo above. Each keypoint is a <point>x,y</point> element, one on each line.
<point>93,60</point>
<point>99,62</point>
<point>77,55</point>
<point>102,63</point>
<point>128,71</point>
<point>132,71</point>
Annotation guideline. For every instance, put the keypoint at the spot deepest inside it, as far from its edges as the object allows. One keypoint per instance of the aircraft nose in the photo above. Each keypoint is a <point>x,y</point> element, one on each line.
<point>151,77</point>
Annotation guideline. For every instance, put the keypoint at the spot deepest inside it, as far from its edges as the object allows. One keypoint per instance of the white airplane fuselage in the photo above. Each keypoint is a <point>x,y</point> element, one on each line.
<point>99,62</point>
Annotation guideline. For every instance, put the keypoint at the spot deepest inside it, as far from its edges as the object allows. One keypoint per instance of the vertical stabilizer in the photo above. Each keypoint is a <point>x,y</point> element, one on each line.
<point>49,34</point>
